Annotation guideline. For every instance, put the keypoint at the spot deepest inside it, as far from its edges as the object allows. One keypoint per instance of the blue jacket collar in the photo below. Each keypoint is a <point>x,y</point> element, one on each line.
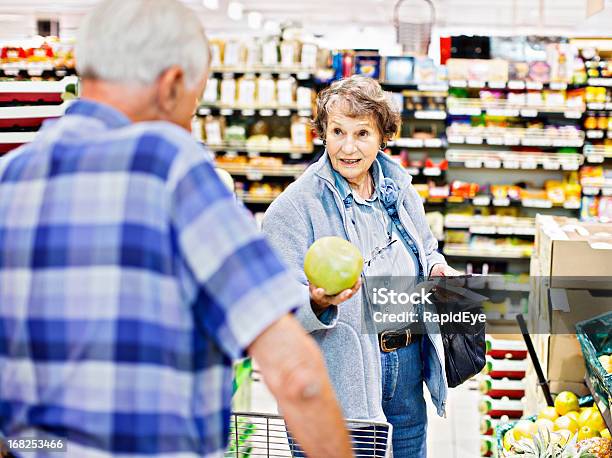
<point>109,116</point>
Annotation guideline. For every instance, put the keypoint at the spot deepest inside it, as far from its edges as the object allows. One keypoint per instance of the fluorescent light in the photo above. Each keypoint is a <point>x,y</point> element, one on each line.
<point>211,4</point>
<point>272,26</point>
<point>254,19</point>
<point>234,10</point>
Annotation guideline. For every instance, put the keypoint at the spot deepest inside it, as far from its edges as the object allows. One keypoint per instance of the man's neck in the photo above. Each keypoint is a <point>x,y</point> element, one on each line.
<point>133,101</point>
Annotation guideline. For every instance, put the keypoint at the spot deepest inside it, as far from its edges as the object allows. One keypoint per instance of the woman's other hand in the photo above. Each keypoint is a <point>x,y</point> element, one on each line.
<point>321,301</point>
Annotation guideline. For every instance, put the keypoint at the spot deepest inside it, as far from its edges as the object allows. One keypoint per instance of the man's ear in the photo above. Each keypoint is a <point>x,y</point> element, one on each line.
<point>170,88</point>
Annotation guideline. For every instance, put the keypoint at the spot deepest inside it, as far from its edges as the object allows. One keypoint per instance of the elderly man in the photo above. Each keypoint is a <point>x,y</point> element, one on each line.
<point>129,277</point>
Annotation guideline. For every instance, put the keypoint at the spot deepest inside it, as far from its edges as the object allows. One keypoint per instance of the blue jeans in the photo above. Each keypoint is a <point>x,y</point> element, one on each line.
<point>403,402</point>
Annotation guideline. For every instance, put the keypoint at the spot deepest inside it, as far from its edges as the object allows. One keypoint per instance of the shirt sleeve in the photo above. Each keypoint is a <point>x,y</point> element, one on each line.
<point>242,287</point>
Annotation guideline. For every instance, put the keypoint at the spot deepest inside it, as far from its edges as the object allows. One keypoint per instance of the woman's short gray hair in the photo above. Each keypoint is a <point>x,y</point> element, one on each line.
<point>356,97</point>
<point>134,41</point>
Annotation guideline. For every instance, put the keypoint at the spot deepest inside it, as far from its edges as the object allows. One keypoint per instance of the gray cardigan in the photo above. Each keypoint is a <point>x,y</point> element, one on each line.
<point>311,208</point>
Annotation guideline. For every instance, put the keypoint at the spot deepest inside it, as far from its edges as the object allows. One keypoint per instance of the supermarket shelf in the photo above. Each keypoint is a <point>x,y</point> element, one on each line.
<point>486,201</point>
<point>593,188</point>
<point>47,87</point>
<point>514,160</point>
<point>248,198</point>
<point>597,154</point>
<point>601,404</point>
<point>476,107</point>
<point>226,110</point>
<point>418,143</point>
<point>512,85</point>
<point>491,224</point>
<point>301,73</point>
<point>606,82</point>
<point>595,134</point>
<point>425,171</point>
<point>467,251</point>
<point>432,115</point>
<point>441,87</point>
<point>258,148</point>
<point>17,138</point>
<point>514,137</point>
<point>33,112</point>
<point>256,173</point>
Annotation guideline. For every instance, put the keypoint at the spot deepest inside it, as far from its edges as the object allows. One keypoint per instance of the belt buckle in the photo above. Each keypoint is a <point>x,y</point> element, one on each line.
<point>383,345</point>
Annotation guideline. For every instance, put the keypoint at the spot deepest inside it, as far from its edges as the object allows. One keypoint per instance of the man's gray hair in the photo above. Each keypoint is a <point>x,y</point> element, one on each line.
<point>135,41</point>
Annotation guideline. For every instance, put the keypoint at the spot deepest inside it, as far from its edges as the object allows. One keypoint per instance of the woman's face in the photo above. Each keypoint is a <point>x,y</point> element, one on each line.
<point>352,145</point>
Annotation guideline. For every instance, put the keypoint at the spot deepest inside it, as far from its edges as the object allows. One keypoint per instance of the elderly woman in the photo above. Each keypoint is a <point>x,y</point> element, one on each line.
<point>358,193</point>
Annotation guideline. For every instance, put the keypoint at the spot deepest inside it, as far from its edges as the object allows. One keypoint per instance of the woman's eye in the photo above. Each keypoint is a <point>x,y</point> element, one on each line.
<point>364,133</point>
<point>337,131</point>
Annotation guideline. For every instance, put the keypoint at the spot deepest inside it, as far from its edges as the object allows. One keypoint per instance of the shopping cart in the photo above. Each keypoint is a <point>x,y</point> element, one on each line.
<point>266,436</point>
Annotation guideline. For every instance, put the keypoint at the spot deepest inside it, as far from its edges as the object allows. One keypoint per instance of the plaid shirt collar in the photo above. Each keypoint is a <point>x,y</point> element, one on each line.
<point>109,116</point>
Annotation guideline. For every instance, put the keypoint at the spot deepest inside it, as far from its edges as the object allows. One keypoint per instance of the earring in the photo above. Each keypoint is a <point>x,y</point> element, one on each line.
<point>383,145</point>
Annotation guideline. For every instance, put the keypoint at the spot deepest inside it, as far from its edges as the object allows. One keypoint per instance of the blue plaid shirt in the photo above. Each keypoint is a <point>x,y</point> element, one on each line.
<point>129,279</point>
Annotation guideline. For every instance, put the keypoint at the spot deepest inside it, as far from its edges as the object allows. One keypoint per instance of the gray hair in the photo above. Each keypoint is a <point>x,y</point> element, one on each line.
<point>135,41</point>
<point>358,96</point>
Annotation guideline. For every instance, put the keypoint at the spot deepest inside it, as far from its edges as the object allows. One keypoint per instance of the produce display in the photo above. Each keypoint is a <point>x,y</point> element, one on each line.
<point>565,430</point>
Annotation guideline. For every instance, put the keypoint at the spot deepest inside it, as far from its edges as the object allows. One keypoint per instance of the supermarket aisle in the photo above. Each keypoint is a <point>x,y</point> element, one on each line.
<point>453,437</point>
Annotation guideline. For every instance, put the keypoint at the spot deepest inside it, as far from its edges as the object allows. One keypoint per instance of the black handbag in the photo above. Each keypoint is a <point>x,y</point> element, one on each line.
<point>464,343</point>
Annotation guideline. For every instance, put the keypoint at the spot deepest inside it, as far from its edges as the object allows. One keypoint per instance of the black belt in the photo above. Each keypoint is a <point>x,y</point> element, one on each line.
<point>392,340</point>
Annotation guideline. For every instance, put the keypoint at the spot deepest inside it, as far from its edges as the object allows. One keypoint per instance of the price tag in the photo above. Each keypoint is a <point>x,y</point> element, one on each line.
<point>413,171</point>
<point>456,139</point>
<point>482,229</point>
<point>529,113</point>
<point>557,86</point>
<point>473,140</point>
<point>229,153</point>
<point>608,106</point>
<point>226,112</point>
<point>254,175</point>
<point>551,165</point>
<point>409,142</point>
<point>596,106</point>
<point>433,143</point>
<point>473,164</point>
<point>573,114</point>
<point>590,191</point>
<point>253,153</point>
<point>430,114</point>
<point>304,113</point>
<point>501,202</point>
<point>497,84</point>
<point>283,112</point>
<point>492,163</point>
<point>570,166</point>
<point>502,112</point>
<point>595,158</point>
<point>432,87</point>
<point>203,111</point>
<point>512,141</point>
<point>537,203</point>
<point>571,204</point>
<point>248,112</point>
<point>529,164</point>
<point>606,191</point>
<point>483,201</point>
<point>534,85</point>
<point>295,156</point>
<point>505,230</point>
<point>476,84</point>
<point>511,164</point>
<point>595,134</point>
<point>495,140</point>
<point>516,85</point>
<point>432,171</point>
<point>458,83</point>
<point>266,112</point>
<point>303,75</point>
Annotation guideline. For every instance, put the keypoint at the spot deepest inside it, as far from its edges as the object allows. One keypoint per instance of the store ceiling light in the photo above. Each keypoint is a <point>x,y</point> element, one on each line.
<point>211,4</point>
<point>254,19</point>
<point>235,10</point>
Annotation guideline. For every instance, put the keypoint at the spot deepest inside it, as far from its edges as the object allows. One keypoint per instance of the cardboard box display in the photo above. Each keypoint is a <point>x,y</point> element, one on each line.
<point>534,396</point>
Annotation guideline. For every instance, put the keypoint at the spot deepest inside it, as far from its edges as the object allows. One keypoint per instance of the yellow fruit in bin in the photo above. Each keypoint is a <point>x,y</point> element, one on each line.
<point>573,415</point>
<point>565,402</point>
<point>592,419</point>
<point>524,429</point>
<point>545,424</point>
<point>561,437</point>
<point>605,433</point>
<point>606,362</point>
<point>548,413</point>
<point>586,433</point>
<point>585,413</point>
<point>566,422</point>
